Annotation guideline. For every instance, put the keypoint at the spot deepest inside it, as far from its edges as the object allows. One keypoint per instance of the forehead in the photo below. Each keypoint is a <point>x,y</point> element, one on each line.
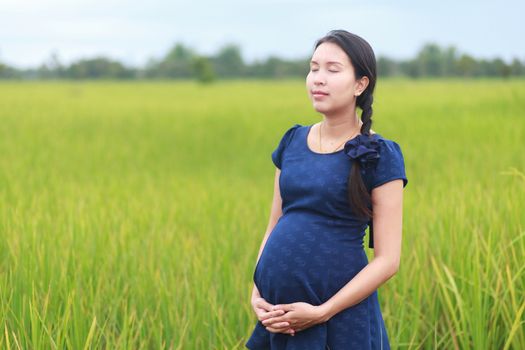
<point>329,53</point>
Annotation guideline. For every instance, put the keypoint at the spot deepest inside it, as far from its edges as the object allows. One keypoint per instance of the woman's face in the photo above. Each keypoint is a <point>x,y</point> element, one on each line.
<point>332,73</point>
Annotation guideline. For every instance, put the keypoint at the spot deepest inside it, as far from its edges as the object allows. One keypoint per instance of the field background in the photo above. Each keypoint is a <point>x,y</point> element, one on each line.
<point>131,213</point>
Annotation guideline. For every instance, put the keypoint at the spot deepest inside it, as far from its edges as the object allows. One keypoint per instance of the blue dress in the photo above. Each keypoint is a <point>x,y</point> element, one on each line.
<point>316,246</point>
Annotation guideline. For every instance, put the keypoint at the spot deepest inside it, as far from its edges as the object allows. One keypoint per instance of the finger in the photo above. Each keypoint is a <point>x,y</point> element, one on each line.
<point>280,325</point>
<point>262,303</point>
<point>285,307</point>
<point>271,314</point>
<point>278,318</point>
<point>266,316</point>
<point>276,330</point>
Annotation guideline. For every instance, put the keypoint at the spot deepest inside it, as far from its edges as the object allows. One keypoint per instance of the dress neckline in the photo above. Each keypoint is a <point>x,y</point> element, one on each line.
<point>309,127</point>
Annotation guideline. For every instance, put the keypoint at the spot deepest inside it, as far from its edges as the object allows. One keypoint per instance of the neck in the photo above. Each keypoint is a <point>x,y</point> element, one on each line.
<point>335,126</point>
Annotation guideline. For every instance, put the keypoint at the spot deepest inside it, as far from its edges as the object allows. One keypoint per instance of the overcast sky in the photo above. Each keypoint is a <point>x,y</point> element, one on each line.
<point>133,31</point>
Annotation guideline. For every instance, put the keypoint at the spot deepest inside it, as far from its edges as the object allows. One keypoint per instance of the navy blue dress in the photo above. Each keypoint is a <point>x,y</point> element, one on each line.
<point>316,246</point>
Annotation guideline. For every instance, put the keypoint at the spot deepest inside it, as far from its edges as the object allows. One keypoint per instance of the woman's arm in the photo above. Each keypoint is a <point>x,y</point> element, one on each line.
<point>387,205</point>
<point>275,214</point>
<point>262,308</point>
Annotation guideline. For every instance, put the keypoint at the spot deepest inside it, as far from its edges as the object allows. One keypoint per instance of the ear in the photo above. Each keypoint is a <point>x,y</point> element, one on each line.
<point>361,85</point>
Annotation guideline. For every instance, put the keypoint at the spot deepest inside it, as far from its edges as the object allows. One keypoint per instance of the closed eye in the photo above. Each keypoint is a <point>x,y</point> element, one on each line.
<point>333,71</point>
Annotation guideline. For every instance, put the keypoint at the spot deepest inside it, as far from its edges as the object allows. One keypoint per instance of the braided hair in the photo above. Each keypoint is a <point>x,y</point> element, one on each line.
<point>363,60</point>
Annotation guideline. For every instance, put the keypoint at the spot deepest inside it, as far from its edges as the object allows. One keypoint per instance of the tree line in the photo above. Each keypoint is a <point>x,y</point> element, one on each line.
<point>182,62</point>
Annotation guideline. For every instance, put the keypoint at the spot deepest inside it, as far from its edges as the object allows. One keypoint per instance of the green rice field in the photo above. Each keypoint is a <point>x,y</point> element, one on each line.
<point>131,213</point>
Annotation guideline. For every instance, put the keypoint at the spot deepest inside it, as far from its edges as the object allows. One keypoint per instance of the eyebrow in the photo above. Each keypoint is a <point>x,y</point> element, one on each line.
<point>329,62</point>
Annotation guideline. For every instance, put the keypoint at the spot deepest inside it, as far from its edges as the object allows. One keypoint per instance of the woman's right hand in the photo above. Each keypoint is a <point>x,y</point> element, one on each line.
<point>263,310</point>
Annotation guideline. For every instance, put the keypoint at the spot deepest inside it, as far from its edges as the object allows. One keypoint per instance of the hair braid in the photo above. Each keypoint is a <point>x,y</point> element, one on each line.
<point>364,101</point>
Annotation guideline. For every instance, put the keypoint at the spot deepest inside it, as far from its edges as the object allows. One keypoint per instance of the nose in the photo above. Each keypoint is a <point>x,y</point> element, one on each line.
<point>319,79</point>
<point>319,82</point>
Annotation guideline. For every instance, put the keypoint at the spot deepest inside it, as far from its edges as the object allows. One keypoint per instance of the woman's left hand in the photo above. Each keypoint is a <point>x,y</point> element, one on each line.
<point>298,315</point>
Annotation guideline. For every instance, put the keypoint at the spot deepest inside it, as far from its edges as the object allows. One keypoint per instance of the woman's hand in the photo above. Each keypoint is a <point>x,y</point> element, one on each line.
<point>264,311</point>
<point>298,315</point>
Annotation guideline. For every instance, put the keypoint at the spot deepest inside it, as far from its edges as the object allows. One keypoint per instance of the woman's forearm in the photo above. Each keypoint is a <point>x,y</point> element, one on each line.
<point>373,275</point>
<point>255,291</point>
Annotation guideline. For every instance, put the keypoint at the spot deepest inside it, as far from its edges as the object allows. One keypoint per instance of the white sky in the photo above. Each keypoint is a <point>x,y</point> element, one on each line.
<point>133,31</point>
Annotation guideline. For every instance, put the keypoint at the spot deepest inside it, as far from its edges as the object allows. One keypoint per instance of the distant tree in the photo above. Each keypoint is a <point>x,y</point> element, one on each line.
<point>52,68</point>
<point>255,69</point>
<point>228,62</point>
<point>466,65</point>
<point>273,67</point>
<point>3,69</point>
<point>203,69</point>
<point>517,68</point>
<point>429,61</point>
<point>177,63</point>
<point>488,68</point>
<point>7,72</point>
<point>502,69</point>
<point>97,68</point>
<point>449,57</point>
<point>386,67</point>
<point>410,68</point>
<point>150,68</point>
<point>300,67</point>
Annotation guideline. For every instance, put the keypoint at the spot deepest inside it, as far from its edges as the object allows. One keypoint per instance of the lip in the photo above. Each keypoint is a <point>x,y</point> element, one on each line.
<point>317,95</point>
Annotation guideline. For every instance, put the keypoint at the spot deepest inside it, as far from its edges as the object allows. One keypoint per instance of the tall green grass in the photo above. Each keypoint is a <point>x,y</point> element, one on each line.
<point>131,213</point>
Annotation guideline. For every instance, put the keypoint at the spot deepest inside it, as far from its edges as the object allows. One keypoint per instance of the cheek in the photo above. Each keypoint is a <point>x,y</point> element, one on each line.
<point>340,86</point>
<point>341,81</point>
<point>309,79</point>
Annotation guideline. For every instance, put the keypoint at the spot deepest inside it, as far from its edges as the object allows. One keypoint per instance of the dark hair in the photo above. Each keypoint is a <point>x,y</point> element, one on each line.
<point>363,60</point>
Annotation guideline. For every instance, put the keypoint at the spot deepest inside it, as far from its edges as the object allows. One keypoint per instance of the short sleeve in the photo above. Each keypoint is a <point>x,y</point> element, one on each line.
<point>390,165</point>
<point>277,154</point>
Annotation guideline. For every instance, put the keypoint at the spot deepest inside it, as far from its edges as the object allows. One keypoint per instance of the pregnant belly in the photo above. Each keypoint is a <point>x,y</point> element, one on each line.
<point>305,260</point>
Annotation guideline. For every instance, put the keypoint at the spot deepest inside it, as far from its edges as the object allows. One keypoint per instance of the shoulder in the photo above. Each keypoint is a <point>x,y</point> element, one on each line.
<point>283,143</point>
<point>390,162</point>
<point>290,131</point>
<point>293,128</point>
<point>387,144</point>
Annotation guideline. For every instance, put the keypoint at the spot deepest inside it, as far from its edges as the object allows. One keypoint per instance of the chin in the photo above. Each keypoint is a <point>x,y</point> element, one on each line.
<point>321,108</point>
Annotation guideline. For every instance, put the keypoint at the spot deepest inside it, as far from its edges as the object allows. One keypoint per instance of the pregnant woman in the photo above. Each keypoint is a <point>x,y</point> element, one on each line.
<point>314,288</point>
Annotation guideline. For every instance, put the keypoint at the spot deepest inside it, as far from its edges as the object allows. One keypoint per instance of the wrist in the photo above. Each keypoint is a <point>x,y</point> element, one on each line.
<point>325,311</point>
<point>255,292</point>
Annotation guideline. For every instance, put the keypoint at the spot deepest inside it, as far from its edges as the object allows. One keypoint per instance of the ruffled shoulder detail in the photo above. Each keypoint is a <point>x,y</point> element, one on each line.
<point>277,154</point>
<point>364,149</point>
